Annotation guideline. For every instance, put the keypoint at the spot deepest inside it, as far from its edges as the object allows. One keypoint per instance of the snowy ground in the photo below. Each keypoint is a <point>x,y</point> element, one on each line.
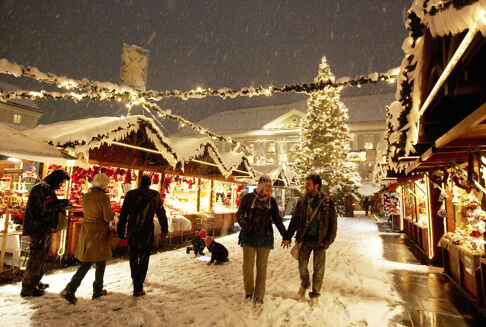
<point>357,291</point>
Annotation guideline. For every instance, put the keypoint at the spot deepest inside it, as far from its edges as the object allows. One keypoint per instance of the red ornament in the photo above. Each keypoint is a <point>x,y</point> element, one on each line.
<point>128,177</point>
<point>155,179</point>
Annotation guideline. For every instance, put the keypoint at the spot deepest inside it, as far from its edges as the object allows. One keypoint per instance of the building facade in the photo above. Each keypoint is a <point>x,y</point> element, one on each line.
<point>272,132</point>
<point>20,114</point>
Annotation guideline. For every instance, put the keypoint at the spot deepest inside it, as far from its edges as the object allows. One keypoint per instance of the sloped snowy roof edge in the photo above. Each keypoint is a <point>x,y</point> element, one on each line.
<point>84,134</point>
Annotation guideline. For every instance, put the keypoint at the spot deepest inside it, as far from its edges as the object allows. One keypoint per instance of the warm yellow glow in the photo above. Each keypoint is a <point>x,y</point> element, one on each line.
<point>429,213</point>
<point>137,147</point>
<point>36,94</point>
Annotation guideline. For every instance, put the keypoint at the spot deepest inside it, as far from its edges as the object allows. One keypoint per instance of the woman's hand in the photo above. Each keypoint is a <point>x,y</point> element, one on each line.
<point>286,243</point>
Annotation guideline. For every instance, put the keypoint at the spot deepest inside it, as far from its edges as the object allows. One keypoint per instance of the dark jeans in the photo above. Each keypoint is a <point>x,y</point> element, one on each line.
<point>139,261</point>
<point>83,269</point>
<point>319,265</point>
<point>40,244</point>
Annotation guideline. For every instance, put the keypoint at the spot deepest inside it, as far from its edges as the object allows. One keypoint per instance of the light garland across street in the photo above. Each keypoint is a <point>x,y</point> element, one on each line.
<point>103,91</point>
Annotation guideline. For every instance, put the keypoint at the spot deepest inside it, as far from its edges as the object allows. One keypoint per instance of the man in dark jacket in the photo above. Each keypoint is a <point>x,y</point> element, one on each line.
<point>315,220</point>
<point>139,207</point>
<point>41,218</point>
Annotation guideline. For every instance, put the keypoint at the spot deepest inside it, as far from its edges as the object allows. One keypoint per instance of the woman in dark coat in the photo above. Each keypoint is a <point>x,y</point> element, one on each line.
<point>257,213</point>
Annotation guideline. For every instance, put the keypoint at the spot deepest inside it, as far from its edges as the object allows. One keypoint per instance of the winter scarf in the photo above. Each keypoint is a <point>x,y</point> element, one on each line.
<point>261,201</point>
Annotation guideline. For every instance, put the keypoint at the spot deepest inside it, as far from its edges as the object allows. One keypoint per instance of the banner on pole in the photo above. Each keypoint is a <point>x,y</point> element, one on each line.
<point>134,66</point>
<point>391,203</point>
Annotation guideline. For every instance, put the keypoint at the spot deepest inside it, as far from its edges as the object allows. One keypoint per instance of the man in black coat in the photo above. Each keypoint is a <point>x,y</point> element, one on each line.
<point>139,207</point>
<point>41,218</point>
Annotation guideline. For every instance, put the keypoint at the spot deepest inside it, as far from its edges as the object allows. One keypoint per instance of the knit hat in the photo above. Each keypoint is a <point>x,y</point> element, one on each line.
<point>208,241</point>
<point>101,180</point>
<point>202,233</point>
<point>262,181</point>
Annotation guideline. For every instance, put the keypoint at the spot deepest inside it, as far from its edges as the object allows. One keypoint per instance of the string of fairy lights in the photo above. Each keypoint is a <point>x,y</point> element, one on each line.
<point>82,90</point>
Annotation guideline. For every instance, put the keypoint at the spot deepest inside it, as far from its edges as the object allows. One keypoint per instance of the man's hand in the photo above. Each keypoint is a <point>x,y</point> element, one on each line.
<point>286,244</point>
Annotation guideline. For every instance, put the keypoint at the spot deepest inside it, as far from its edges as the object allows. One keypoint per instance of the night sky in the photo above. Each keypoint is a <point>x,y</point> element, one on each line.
<point>201,43</point>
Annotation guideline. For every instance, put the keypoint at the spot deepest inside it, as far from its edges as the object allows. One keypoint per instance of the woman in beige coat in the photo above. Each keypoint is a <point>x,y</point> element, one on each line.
<point>94,240</point>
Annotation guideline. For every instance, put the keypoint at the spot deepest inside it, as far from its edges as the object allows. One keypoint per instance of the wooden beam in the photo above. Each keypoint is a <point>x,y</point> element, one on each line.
<point>463,127</point>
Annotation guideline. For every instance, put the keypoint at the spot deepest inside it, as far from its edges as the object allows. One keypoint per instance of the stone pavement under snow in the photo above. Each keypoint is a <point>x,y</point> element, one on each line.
<point>358,290</point>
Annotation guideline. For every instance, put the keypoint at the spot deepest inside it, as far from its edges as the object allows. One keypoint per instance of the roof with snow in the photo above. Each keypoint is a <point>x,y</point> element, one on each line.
<point>29,104</point>
<point>246,119</point>
<point>440,18</point>
<point>84,134</point>
<point>188,149</point>
<point>360,109</point>
<point>16,144</point>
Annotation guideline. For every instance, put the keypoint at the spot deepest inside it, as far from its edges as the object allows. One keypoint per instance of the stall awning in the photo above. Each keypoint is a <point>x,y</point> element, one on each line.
<point>18,145</point>
<point>454,144</point>
<point>81,136</point>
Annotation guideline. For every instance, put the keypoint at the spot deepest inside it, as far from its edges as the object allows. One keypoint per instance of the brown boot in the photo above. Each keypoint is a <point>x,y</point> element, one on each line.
<point>70,297</point>
<point>139,293</point>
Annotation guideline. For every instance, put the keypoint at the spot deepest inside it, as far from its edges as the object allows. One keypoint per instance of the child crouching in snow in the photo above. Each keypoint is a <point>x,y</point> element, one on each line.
<point>219,254</point>
<point>198,244</point>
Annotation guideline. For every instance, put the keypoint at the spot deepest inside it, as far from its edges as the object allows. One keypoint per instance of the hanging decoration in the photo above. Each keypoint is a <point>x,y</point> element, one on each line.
<point>127,93</point>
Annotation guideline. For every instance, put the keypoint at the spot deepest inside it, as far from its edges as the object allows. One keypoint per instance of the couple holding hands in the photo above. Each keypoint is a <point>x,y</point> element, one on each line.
<point>315,221</point>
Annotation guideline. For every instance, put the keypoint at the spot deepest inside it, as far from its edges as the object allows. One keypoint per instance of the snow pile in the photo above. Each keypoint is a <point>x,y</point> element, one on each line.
<point>357,291</point>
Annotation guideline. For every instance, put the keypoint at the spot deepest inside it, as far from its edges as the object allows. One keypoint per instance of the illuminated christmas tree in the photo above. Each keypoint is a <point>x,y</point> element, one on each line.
<point>325,142</point>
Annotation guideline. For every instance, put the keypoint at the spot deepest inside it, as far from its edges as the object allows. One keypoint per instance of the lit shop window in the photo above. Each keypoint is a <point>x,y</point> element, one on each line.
<point>272,147</point>
<point>17,119</point>
<point>368,142</point>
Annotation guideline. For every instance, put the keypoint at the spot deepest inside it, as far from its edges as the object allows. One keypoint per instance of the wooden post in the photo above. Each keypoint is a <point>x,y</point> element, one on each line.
<point>198,194</point>
<point>436,223</point>
<point>233,195</point>
<point>211,192</point>
<point>5,231</point>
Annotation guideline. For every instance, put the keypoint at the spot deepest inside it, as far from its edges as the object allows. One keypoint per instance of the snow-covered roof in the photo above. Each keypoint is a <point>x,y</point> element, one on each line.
<point>287,174</point>
<point>82,135</point>
<point>16,144</point>
<point>246,119</point>
<point>367,189</point>
<point>440,18</point>
<point>187,149</point>
<point>360,109</point>
<point>23,102</point>
<point>233,160</point>
<point>273,171</point>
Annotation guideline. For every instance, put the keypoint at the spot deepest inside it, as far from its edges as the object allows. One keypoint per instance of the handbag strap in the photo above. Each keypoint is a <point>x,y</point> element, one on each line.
<point>315,210</point>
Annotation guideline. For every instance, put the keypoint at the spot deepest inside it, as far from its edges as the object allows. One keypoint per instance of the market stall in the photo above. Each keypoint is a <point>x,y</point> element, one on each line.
<point>437,128</point>
<point>20,158</point>
<point>204,186</point>
<point>183,170</point>
<point>123,148</point>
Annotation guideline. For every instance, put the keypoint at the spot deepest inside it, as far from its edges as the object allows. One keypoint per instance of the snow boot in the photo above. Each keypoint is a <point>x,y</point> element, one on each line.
<point>35,293</point>
<point>70,297</point>
<point>301,292</point>
<point>103,293</point>
<point>314,302</point>
<point>139,294</point>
